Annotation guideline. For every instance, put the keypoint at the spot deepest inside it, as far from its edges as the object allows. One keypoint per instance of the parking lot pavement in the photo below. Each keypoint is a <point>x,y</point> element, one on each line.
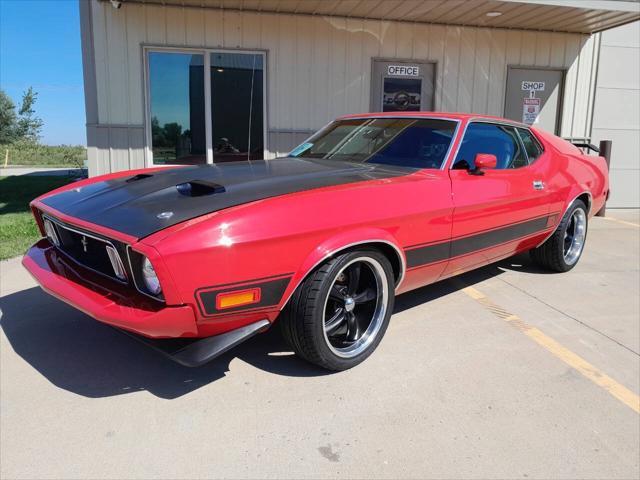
<point>506,372</point>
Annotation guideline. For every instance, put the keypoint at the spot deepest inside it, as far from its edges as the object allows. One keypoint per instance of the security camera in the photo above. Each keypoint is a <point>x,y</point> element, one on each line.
<point>116,4</point>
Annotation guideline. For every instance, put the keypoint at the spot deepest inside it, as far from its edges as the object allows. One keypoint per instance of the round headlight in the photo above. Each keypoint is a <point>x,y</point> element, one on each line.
<point>150,278</point>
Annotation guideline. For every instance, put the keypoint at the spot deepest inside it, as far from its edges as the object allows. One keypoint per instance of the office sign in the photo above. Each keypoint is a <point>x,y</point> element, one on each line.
<point>403,70</point>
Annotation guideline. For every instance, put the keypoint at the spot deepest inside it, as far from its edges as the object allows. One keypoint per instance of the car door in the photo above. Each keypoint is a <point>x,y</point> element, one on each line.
<point>497,211</point>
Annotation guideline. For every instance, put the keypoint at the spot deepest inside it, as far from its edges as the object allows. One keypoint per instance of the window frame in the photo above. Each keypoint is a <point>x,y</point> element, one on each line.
<point>497,123</point>
<point>206,53</point>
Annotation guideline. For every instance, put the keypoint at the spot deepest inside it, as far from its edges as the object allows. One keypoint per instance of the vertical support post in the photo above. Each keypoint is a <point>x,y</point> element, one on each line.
<point>208,128</point>
<point>605,151</point>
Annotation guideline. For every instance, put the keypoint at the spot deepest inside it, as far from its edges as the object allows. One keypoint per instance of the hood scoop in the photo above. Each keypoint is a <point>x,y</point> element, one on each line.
<point>140,176</point>
<point>199,188</point>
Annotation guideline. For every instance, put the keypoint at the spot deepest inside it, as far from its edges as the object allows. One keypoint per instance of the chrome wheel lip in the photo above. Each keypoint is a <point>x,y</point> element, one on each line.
<point>576,236</point>
<point>377,318</point>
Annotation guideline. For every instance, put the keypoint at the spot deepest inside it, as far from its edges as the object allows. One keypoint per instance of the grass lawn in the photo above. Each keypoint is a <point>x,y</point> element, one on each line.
<point>28,154</point>
<point>18,229</point>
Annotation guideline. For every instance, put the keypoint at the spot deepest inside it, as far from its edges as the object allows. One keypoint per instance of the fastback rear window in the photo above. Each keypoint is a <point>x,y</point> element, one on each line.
<point>403,142</point>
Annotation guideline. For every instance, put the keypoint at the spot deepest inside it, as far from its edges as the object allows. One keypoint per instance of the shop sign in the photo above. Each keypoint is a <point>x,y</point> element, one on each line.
<point>529,86</point>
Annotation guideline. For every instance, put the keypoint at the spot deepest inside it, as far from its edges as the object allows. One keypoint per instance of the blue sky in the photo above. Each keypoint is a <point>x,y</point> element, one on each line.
<point>40,47</point>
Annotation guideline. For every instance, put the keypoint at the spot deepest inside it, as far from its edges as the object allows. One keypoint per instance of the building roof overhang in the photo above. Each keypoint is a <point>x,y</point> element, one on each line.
<point>575,16</point>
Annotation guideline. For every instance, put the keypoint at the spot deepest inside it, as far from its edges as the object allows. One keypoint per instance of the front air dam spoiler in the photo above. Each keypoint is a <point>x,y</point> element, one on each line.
<point>194,352</point>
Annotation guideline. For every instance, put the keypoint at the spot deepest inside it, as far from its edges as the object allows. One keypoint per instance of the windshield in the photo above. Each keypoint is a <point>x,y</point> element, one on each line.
<point>404,142</point>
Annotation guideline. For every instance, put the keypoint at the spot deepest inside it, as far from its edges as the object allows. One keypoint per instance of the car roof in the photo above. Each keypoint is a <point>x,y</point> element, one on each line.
<point>441,115</point>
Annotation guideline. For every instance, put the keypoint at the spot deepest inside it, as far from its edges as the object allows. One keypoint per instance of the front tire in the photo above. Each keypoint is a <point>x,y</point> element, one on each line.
<point>561,251</point>
<point>339,314</point>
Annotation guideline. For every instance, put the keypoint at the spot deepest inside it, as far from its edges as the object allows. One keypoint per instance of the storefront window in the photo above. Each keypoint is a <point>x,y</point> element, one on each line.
<point>237,106</point>
<point>176,83</point>
<point>180,118</point>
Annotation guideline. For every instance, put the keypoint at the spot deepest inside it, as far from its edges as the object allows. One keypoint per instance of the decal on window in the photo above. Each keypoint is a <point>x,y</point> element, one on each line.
<point>300,149</point>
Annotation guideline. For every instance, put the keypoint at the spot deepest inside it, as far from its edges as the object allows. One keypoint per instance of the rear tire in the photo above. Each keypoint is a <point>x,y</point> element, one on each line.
<point>338,315</point>
<point>561,251</point>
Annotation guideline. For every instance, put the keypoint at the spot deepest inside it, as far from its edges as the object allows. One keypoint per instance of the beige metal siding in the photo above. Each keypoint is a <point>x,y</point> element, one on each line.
<point>617,111</point>
<point>320,67</point>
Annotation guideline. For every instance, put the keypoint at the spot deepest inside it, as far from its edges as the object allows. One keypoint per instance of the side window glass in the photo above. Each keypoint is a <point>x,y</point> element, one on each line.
<point>499,140</point>
<point>519,158</point>
<point>531,145</point>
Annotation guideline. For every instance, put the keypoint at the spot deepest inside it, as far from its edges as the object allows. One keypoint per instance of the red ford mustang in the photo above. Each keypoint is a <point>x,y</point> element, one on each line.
<point>322,240</point>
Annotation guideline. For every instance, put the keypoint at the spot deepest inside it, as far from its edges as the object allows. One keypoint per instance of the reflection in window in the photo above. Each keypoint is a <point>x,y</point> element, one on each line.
<point>401,95</point>
<point>237,106</point>
<point>176,82</point>
<point>402,142</point>
<point>530,144</point>
<point>498,140</point>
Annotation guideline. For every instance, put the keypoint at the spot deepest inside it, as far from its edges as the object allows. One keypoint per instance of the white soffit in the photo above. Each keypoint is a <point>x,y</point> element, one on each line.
<point>576,16</point>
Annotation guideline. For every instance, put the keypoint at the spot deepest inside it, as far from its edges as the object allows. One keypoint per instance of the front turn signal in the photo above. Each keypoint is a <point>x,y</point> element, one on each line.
<point>237,298</point>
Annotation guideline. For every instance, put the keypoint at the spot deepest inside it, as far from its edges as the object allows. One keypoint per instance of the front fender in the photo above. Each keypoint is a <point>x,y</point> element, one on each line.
<point>338,243</point>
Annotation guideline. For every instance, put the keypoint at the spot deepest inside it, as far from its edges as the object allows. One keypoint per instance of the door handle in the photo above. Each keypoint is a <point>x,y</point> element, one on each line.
<point>538,185</point>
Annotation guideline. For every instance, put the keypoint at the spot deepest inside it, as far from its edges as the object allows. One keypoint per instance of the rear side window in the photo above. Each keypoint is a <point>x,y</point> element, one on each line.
<point>531,145</point>
<point>499,140</point>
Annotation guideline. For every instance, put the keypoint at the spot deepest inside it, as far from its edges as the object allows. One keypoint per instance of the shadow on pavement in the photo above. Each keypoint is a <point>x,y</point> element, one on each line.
<point>83,356</point>
<point>88,358</point>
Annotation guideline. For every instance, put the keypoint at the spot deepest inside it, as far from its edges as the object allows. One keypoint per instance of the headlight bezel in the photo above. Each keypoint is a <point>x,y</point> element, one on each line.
<point>136,265</point>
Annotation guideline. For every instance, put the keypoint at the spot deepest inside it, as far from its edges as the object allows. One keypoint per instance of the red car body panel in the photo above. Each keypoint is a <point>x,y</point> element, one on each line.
<point>432,224</point>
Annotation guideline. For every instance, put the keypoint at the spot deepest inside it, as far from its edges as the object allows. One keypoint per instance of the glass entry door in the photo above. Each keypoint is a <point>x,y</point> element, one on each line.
<point>205,106</point>
<point>237,106</point>
<point>176,97</point>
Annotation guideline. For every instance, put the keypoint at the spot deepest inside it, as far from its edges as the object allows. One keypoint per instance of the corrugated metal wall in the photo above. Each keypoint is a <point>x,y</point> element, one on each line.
<point>617,111</point>
<point>318,68</point>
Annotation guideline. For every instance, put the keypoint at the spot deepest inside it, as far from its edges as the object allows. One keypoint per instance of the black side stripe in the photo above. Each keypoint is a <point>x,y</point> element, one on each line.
<point>271,291</point>
<point>438,252</point>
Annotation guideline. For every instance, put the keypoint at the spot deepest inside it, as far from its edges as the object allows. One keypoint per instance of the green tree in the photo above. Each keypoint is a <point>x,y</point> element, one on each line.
<point>22,125</point>
<point>8,119</point>
<point>29,126</point>
<point>172,133</point>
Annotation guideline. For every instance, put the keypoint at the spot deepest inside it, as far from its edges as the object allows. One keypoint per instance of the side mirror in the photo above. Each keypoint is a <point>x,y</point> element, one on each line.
<point>484,161</point>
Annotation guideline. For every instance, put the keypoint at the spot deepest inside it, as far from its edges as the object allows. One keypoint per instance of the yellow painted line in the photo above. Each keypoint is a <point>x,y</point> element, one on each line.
<point>623,222</point>
<point>576,362</point>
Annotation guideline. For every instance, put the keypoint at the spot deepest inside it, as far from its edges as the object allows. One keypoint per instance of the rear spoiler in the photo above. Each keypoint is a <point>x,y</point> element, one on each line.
<point>588,146</point>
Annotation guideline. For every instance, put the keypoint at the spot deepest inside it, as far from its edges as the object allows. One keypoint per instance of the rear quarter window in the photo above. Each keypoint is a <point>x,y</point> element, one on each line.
<point>531,145</point>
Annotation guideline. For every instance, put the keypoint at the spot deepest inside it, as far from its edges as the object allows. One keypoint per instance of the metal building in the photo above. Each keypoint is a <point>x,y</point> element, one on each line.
<point>202,81</point>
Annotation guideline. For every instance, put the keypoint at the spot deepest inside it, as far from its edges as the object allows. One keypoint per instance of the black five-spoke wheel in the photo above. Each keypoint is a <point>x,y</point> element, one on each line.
<point>355,306</point>
<point>339,314</point>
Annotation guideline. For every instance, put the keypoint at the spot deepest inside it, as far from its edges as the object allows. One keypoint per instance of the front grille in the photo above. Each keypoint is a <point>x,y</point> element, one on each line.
<point>87,249</point>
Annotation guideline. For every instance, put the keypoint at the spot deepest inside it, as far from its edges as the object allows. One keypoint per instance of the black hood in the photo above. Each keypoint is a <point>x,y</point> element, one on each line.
<point>146,203</point>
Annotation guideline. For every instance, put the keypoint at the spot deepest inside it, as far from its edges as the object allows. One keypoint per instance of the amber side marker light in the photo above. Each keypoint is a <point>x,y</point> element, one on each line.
<point>237,298</point>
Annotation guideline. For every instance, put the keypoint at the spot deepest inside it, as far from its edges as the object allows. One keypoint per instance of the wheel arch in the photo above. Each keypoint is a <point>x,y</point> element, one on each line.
<point>586,199</point>
<point>584,196</point>
<point>380,240</point>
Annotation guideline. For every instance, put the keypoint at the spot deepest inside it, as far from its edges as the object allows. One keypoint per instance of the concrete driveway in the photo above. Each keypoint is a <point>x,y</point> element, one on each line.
<point>507,372</point>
